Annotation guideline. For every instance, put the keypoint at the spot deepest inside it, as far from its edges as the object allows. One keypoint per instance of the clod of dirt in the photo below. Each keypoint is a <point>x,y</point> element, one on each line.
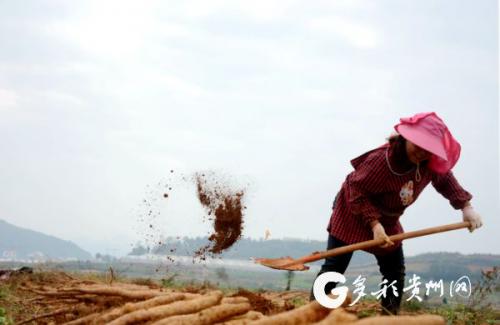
<point>258,302</point>
<point>225,207</point>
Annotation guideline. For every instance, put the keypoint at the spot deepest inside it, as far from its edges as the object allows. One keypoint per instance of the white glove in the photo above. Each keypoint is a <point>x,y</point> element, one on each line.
<point>473,217</point>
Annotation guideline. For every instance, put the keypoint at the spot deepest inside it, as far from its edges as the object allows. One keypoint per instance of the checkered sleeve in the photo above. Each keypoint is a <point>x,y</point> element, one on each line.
<point>448,186</point>
<point>366,181</point>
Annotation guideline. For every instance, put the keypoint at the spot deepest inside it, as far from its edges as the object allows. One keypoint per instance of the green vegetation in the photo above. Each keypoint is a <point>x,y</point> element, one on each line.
<point>5,293</point>
<point>368,312</point>
<point>168,282</point>
<point>461,314</point>
<point>413,305</point>
<point>298,301</point>
<point>4,319</point>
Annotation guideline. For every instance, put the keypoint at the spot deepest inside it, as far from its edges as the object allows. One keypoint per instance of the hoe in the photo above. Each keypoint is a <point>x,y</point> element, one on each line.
<point>290,264</point>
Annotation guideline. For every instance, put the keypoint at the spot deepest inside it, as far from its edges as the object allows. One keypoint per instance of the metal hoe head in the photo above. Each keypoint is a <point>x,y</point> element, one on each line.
<point>282,263</point>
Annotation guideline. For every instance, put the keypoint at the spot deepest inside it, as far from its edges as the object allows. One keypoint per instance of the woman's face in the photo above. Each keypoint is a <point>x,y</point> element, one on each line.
<point>415,153</point>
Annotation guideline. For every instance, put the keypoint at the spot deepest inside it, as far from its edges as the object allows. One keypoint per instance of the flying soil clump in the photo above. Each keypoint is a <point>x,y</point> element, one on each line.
<point>224,206</point>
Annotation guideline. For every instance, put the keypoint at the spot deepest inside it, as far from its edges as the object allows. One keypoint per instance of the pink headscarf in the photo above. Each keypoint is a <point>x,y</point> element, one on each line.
<point>428,131</point>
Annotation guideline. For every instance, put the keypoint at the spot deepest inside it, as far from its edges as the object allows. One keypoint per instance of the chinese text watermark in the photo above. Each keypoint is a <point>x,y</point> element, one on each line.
<point>461,287</point>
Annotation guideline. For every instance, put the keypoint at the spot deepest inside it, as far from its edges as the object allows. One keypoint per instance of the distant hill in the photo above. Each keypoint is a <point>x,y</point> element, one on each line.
<point>20,243</point>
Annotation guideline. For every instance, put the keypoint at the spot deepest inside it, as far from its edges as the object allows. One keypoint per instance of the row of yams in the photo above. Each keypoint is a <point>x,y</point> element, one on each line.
<point>157,307</point>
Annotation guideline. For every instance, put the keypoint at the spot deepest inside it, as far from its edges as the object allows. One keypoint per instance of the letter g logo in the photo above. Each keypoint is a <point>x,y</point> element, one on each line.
<point>319,290</point>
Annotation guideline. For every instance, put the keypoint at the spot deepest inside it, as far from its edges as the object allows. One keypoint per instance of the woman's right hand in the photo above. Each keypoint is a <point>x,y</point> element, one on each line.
<point>379,233</point>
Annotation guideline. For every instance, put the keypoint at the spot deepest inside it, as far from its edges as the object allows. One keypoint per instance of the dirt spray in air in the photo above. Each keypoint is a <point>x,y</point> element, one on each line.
<point>224,206</point>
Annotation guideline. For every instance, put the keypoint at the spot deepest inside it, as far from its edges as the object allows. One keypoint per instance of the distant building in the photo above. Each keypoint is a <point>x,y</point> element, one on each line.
<point>37,257</point>
<point>9,255</point>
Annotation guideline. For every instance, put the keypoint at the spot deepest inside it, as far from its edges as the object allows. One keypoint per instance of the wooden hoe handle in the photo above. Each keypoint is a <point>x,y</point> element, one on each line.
<point>377,242</point>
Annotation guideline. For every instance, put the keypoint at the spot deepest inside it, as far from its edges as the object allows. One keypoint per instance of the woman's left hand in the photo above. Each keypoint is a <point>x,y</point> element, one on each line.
<point>470,215</point>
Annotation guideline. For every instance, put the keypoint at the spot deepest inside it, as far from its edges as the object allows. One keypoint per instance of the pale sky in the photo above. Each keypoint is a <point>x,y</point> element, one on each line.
<point>101,99</point>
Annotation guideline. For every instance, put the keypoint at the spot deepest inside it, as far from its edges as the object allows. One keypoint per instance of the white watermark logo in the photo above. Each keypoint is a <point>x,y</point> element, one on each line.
<point>319,290</point>
<point>334,299</point>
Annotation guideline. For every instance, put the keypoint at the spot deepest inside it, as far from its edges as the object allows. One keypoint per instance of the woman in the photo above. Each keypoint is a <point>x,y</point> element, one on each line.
<point>387,180</point>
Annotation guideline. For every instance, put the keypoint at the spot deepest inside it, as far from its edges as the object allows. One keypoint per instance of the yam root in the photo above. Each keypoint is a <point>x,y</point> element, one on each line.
<point>114,291</point>
<point>207,316</point>
<point>131,307</point>
<point>46,315</point>
<point>403,320</point>
<point>189,295</point>
<point>339,316</point>
<point>234,300</point>
<point>130,286</point>
<point>250,315</point>
<point>54,293</point>
<point>244,319</point>
<point>312,312</point>
<point>83,320</point>
<point>175,308</point>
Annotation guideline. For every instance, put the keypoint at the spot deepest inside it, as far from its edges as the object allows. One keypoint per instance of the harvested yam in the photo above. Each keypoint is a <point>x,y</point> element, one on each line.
<point>312,312</point>
<point>83,320</point>
<point>101,301</point>
<point>50,314</point>
<point>237,322</point>
<point>130,286</point>
<point>54,293</point>
<point>80,282</point>
<point>288,295</point>
<point>131,307</point>
<point>244,319</point>
<point>234,300</point>
<point>189,295</point>
<point>339,316</point>
<point>348,300</point>
<point>402,320</point>
<point>175,308</point>
<point>51,302</point>
<point>251,315</point>
<point>207,316</point>
<point>114,291</point>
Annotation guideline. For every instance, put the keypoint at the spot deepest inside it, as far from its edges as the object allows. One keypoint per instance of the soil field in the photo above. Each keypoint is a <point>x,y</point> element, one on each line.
<point>62,298</point>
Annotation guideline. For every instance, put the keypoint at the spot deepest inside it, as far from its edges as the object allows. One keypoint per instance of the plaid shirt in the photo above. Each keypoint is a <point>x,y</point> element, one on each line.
<point>381,188</point>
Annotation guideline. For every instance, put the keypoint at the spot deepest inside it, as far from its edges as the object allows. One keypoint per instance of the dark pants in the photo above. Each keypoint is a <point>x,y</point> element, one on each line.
<point>391,265</point>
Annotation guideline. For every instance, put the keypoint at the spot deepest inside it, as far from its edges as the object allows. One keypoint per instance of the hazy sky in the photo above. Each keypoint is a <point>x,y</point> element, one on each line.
<point>101,99</point>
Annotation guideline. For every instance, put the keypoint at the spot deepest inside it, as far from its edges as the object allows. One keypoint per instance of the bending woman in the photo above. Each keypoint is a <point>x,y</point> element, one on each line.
<point>387,180</point>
